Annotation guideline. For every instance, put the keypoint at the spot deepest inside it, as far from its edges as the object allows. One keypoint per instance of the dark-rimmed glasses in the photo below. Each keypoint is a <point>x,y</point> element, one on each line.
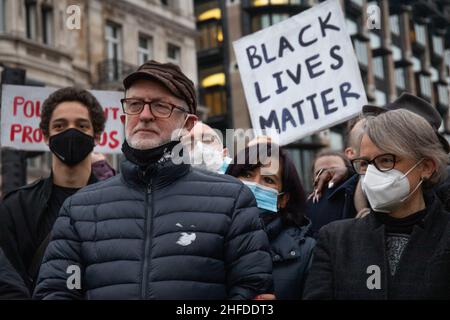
<point>383,162</point>
<point>158,108</point>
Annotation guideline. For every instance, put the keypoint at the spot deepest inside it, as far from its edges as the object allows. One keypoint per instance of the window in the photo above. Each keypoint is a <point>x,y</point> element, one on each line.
<point>145,49</point>
<point>443,94</point>
<point>396,53</point>
<point>174,53</point>
<point>438,45</point>
<point>394,24</point>
<point>420,32</point>
<point>352,26</point>
<point>212,90</point>
<point>380,97</point>
<point>417,66</point>
<point>400,78</point>
<point>375,40</point>
<point>211,35</point>
<point>215,101</point>
<point>2,16</point>
<point>361,52</point>
<point>265,20</point>
<point>434,74</point>
<point>113,50</point>
<point>378,67</point>
<point>358,2</point>
<point>165,3</point>
<point>425,86</point>
<point>260,3</point>
<point>47,25</point>
<point>31,19</point>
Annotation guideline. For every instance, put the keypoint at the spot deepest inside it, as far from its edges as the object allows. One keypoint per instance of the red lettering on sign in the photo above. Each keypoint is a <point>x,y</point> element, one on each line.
<point>17,101</point>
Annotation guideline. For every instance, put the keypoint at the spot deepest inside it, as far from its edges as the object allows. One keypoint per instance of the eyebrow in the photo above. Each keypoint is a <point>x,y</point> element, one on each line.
<point>78,120</point>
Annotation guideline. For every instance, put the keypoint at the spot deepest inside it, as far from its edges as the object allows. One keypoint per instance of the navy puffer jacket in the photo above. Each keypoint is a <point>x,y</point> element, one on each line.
<point>171,232</point>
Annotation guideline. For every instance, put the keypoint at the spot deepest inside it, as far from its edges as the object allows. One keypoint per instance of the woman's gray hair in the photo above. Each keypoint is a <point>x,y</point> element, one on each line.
<point>405,133</point>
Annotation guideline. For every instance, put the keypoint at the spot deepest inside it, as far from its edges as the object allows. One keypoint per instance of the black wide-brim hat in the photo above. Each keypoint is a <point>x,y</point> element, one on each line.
<point>416,105</point>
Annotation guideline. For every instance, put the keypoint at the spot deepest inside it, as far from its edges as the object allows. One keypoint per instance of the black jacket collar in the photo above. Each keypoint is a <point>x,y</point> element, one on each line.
<point>157,175</point>
<point>47,187</point>
<point>434,211</point>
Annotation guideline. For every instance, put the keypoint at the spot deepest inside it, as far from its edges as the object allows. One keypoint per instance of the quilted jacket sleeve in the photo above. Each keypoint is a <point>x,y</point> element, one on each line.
<point>248,259</point>
<point>61,270</point>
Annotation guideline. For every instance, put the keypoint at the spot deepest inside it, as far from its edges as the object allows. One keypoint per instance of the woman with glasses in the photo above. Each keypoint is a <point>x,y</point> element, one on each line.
<point>279,195</point>
<point>402,249</point>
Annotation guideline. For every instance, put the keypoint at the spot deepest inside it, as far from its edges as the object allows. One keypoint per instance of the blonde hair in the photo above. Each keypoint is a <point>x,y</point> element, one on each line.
<point>403,132</point>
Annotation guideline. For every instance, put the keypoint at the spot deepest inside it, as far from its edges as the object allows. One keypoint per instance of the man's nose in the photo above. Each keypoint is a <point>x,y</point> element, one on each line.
<point>146,114</point>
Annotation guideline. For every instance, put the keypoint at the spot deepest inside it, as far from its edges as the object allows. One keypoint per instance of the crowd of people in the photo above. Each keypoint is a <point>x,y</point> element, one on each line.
<point>221,225</point>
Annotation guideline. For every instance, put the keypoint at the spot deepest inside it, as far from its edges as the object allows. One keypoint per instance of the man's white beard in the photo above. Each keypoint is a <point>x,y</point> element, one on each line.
<point>144,144</point>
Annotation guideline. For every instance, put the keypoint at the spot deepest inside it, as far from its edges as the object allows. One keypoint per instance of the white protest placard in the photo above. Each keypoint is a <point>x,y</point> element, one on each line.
<point>301,75</point>
<point>21,114</point>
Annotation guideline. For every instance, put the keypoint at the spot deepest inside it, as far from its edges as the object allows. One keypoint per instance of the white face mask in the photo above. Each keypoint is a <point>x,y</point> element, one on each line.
<point>386,191</point>
<point>206,157</point>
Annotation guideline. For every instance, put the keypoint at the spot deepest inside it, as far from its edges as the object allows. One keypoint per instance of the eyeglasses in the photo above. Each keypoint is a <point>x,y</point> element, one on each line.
<point>383,162</point>
<point>158,108</point>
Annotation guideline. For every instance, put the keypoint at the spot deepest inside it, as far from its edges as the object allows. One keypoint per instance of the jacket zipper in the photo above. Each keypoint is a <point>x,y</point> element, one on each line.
<point>147,245</point>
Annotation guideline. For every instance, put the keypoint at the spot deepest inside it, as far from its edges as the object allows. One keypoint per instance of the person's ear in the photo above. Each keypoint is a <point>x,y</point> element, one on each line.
<point>428,167</point>
<point>97,138</point>
<point>46,139</point>
<point>283,200</point>
<point>225,152</point>
<point>349,153</point>
<point>190,122</point>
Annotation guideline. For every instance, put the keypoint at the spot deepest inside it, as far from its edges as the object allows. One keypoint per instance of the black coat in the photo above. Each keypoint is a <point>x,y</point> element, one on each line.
<point>171,232</point>
<point>346,249</point>
<point>335,204</point>
<point>11,284</point>
<point>291,251</point>
<point>25,223</point>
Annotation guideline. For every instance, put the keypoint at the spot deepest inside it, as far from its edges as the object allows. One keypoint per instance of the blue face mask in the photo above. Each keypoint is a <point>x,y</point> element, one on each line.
<point>266,198</point>
<point>225,164</point>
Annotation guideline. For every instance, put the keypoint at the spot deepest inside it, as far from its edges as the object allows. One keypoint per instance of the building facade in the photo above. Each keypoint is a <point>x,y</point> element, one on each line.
<point>400,46</point>
<point>93,44</point>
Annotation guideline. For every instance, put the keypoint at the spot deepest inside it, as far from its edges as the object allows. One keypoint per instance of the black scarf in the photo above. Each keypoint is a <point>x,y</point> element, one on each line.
<point>147,157</point>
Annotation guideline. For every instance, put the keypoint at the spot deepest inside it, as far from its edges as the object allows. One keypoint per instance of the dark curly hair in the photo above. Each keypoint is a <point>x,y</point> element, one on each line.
<point>73,94</point>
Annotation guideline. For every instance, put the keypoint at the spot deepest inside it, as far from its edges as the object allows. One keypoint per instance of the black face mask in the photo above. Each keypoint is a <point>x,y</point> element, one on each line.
<point>144,158</point>
<point>71,146</point>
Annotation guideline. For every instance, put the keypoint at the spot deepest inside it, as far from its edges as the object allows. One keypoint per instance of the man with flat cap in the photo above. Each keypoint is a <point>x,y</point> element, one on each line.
<point>158,230</point>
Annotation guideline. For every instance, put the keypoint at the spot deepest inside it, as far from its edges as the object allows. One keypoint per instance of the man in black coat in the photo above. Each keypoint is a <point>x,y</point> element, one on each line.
<point>159,229</point>
<point>11,284</point>
<point>72,121</point>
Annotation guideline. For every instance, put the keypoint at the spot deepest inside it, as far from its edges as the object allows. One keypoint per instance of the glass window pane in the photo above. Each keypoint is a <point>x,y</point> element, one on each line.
<point>443,94</point>
<point>352,26</point>
<point>420,34</point>
<point>380,97</point>
<point>437,45</point>
<point>361,52</point>
<point>434,74</point>
<point>400,79</point>
<point>396,53</point>
<point>378,67</point>
<point>425,86</point>
<point>174,53</point>
<point>375,40</point>
<point>417,66</point>
<point>394,23</point>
